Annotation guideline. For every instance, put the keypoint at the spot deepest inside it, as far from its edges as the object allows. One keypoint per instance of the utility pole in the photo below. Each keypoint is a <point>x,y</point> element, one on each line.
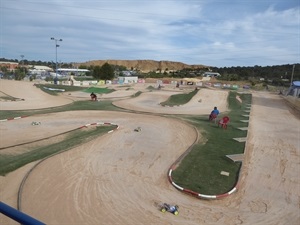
<point>22,56</point>
<point>292,75</point>
<point>56,46</point>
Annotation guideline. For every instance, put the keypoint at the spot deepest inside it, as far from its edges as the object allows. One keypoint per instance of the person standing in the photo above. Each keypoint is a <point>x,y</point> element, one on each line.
<point>214,114</point>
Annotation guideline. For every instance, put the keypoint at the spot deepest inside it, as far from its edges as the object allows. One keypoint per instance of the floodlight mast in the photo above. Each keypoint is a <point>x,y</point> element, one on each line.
<point>56,46</point>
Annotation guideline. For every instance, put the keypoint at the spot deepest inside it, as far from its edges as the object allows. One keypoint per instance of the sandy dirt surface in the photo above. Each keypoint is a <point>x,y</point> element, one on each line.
<point>202,103</point>
<point>121,177</point>
<point>30,97</point>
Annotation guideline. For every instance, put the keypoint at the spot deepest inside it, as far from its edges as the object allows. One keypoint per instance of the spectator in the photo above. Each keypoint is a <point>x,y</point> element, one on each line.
<point>214,114</point>
<point>93,96</point>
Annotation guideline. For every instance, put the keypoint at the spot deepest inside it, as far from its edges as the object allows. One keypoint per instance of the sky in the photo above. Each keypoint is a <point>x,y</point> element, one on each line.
<point>219,33</point>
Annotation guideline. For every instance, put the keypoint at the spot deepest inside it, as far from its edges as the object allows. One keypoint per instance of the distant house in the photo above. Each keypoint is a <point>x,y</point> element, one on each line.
<point>39,70</point>
<point>11,66</point>
<point>127,80</point>
<point>69,71</point>
<point>211,74</point>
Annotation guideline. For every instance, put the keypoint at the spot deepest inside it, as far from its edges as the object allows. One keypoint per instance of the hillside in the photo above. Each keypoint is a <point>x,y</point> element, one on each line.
<point>144,65</point>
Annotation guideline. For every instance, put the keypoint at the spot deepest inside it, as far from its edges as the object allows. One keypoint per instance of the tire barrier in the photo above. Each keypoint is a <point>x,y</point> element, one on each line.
<point>198,195</point>
<point>14,118</point>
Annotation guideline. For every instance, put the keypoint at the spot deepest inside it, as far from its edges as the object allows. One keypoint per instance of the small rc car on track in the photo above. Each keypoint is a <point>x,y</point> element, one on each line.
<point>170,208</point>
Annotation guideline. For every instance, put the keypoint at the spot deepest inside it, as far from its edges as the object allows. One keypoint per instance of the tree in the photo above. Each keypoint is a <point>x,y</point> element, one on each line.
<point>19,73</point>
<point>4,69</point>
<point>82,67</point>
<point>106,72</point>
<point>97,72</point>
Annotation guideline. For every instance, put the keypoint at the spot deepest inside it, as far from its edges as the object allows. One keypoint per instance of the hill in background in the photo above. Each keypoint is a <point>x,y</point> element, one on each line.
<point>144,65</point>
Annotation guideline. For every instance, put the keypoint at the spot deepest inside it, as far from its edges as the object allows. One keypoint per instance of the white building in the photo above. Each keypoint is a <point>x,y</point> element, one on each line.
<point>69,71</point>
<point>127,80</point>
<point>211,74</point>
<point>39,70</point>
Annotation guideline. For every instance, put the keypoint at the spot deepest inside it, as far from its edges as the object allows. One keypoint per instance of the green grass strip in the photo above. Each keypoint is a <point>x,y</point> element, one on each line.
<point>200,170</point>
<point>75,106</point>
<point>137,94</point>
<point>179,99</point>
<point>11,162</point>
<point>97,90</point>
<point>45,88</point>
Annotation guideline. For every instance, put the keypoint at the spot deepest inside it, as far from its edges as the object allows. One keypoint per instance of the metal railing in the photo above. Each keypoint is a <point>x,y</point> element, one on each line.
<point>18,216</point>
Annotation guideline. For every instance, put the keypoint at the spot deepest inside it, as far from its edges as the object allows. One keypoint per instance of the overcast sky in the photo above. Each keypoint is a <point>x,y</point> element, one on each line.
<point>211,32</point>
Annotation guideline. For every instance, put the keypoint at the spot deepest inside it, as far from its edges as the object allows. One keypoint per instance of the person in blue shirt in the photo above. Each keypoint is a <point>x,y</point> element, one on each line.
<point>213,115</point>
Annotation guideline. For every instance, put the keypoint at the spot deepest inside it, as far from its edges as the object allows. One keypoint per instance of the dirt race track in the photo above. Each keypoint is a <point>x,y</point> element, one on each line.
<point>121,177</point>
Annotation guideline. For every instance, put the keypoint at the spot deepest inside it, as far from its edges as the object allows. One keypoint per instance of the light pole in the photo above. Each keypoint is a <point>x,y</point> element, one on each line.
<point>56,46</point>
<point>292,77</point>
<point>22,56</point>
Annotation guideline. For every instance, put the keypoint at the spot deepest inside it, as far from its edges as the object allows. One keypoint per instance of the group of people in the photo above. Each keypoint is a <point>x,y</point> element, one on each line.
<point>213,117</point>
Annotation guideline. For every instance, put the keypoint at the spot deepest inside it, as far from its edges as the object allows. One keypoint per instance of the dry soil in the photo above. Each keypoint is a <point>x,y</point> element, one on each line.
<point>121,178</point>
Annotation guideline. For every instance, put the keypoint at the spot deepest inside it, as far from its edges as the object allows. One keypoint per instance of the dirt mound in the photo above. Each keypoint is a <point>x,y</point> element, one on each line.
<point>32,97</point>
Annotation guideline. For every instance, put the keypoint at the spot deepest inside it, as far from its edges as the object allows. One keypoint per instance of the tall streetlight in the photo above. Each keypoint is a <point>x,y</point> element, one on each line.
<point>292,77</point>
<point>22,56</point>
<point>56,46</point>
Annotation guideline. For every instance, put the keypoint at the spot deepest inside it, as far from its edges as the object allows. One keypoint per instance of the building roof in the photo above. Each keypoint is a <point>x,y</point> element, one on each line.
<point>72,70</point>
<point>4,62</point>
<point>42,68</point>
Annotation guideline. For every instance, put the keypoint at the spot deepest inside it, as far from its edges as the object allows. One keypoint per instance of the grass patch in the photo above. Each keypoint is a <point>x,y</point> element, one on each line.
<point>97,90</point>
<point>179,99</point>
<point>9,98</point>
<point>44,87</point>
<point>125,85</point>
<point>78,105</point>
<point>11,162</point>
<point>151,88</point>
<point>136,94</point>
<point>89,105</point>
<point>200,169</point>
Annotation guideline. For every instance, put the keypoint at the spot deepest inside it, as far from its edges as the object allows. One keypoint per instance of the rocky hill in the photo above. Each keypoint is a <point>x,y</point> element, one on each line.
<point>144,65</point>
